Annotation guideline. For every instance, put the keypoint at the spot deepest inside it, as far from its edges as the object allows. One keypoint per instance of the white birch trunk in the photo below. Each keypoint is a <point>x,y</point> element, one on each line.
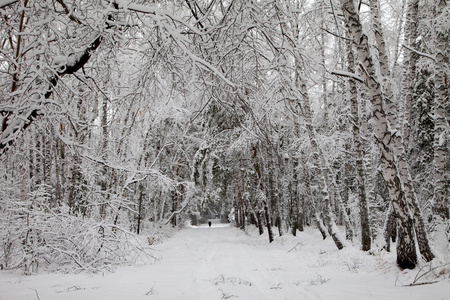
<point>358,151</point>
<point>398,146</point>
<point>406,252</point>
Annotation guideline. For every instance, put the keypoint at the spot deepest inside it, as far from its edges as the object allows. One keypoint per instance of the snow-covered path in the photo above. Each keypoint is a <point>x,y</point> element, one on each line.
<point>222,262</point>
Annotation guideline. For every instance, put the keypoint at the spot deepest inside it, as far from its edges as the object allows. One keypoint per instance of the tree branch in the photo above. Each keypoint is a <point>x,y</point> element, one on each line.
<point>12,127</point>
<point>335,34</point>
<point>347,74</point>
<point>419,53</point>
<point>4,3</point>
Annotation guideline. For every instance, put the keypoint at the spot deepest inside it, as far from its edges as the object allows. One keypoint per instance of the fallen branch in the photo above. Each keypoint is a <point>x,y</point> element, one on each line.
<point>294,248</point>
<point>36,292</point>
<point>420,283</point>
<point>420,273</point>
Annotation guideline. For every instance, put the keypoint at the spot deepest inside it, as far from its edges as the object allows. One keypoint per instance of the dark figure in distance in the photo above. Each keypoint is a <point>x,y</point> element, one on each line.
<point>209,223</point>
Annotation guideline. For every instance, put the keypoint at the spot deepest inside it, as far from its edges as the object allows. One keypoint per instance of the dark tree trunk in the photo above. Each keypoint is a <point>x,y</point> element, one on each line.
<point>390,230</point>
<point>174,207</point>
<point>236,216</point>
<point>139,216</point>
<point>242,217</point>
<point>260,222</point>
<point>269,227</point>
<point>301,216</point>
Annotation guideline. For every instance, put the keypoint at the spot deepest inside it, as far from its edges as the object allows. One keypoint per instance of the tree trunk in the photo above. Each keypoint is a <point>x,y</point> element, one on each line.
<point>409,66</point>
<point>285,197</point>
<point>398,146</point>
<point>269,226</point>
<point>406,252</point>
<point>260,222</point>
<point>297,199</point>
<point>139,216</point>
<point>294,208</point>
<point>258,190</point>
<point>317,170</point>
<point>58,189</point>
<point>273,199</point>
<point>173,194</point>
<point>346,210</point>
<point>390,230</point>
<point>441,105</point>
<point>243,213</point>
<point>103,179</point>
<point>237,220</point>
<point>358,151</point>
<point>316,214</point>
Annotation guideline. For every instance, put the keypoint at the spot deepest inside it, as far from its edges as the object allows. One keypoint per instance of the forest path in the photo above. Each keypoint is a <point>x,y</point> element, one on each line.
<point>219,263</point>
<point>223,262</point>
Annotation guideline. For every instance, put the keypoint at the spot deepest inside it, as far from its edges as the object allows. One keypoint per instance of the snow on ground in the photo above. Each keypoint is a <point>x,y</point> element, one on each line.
<point>223,262</point>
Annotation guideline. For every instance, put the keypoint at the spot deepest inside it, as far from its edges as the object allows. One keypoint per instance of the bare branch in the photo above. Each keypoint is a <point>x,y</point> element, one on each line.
<point>419,53</point>
<point>335,34</point>
<point>347,74</point>
<point>4,3</point>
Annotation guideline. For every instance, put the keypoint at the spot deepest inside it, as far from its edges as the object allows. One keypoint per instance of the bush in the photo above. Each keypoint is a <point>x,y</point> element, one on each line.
<point>32,235</point>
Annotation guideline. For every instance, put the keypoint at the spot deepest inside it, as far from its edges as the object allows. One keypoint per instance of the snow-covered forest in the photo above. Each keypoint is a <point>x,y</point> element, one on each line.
<point>121,118</point>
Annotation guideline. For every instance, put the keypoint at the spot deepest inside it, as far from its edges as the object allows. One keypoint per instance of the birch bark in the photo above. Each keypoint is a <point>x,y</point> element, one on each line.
<point>358,150</point>
<point>406,252</point>
<point>398,146</point>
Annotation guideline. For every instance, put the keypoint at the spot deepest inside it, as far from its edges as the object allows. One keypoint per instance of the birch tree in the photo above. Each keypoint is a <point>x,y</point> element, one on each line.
<point>291,34</point>
<point>399,149</point>
<point>441,100</point>
<point>358,150</point>
<point>406,254</point>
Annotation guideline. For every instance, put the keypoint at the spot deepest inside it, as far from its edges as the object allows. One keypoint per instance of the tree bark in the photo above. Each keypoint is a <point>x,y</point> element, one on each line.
<point>140,208</point>
<point>398,145</point>
<point>268,224</point>
<point>406,252</point>
<point>312,203</point>
<point>260,222</point>
<point>409,67</point>
<point>358,150</point>
<point>441,104</point>
<point>317,170</point>
<point>389,230</point>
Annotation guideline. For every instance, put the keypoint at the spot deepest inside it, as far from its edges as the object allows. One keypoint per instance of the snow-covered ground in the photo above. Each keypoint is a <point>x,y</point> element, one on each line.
<point>223,262</point>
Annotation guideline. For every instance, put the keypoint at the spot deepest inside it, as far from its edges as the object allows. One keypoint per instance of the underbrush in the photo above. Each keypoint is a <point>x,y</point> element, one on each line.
<point>34,236</point>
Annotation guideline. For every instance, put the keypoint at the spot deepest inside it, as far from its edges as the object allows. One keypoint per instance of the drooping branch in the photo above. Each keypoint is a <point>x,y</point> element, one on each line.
<point>14,123</point>
<point>12,127</point>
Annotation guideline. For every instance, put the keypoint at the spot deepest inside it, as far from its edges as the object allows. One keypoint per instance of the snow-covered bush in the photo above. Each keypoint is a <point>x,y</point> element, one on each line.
<point>32,235</point>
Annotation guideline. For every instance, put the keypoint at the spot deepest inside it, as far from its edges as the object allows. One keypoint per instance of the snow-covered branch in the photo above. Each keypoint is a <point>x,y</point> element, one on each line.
<point>419,53</point>
<point>347,74</point>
